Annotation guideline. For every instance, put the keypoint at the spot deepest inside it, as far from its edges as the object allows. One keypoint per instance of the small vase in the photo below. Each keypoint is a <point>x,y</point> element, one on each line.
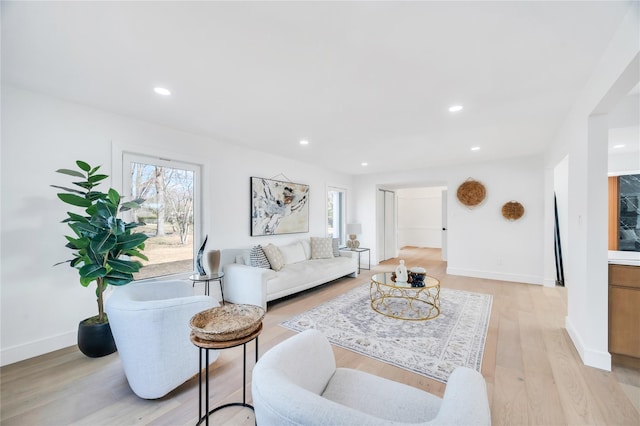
<point>213,258</point>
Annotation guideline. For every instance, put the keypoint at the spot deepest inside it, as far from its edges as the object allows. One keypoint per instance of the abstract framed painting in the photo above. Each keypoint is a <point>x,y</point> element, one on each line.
<point>278,207</point>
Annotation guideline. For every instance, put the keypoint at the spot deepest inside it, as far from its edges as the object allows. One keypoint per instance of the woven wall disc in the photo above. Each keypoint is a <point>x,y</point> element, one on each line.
<point>471,193</point>
<point>512,210</point>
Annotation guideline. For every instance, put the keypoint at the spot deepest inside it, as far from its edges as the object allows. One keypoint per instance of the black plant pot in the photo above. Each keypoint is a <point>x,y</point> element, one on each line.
<point>95,340</point>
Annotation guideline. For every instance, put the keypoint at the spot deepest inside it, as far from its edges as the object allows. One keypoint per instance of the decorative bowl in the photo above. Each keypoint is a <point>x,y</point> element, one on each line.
<point>228,322</point>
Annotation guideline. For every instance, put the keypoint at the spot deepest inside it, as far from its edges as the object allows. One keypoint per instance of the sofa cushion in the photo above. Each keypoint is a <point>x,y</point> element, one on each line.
<point>336,247</point>
<point>306,245</point>
<point>274,256</point>
<point>257,257</point>
<point>321,248</point>
<point>292,253</point>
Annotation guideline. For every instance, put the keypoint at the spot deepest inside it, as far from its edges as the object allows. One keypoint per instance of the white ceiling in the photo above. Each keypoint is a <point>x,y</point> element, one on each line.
<point>362,81</point>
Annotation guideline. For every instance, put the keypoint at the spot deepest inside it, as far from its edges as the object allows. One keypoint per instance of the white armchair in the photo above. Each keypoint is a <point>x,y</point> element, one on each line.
<point>297,383</point>
<point>150,324</point>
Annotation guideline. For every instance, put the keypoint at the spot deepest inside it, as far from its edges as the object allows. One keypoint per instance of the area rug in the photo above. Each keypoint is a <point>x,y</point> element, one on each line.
<point>431,348</point>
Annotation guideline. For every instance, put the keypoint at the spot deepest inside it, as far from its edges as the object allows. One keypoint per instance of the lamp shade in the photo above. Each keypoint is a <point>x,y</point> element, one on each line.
<point>354,228</point>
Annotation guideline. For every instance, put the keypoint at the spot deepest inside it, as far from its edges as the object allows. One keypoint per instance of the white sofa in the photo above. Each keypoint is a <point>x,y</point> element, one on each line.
<point>256,286</point>
<point>297,383</point>
<point>150,324</point>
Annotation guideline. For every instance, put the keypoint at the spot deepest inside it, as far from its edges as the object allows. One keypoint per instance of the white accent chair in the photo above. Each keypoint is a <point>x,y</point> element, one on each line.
<point>150,324</point>
<point>297,383</point>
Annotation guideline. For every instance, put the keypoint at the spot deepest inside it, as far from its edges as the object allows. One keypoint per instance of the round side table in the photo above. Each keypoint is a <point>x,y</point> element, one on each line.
<point>207,345</point>
<point>197,278</point>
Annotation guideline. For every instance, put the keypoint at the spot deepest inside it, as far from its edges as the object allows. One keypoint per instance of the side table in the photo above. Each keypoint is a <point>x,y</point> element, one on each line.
<point>197,278</point>
<point>205,346</point>
<point>360,251</point>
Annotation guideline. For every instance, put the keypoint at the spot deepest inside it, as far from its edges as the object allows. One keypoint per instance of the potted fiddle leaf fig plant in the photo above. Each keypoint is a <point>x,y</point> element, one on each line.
<point>103,247</point>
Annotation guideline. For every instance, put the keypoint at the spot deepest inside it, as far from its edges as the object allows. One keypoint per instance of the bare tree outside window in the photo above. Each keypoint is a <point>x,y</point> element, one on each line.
<point>168,214</point>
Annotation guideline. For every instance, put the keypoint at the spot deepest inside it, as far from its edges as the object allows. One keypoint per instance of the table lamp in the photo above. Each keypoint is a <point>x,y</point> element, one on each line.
<point>353,229</point>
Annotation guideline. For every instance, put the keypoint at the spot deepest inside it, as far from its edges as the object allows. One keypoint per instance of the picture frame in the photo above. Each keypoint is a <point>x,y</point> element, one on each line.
<point>278,207</point>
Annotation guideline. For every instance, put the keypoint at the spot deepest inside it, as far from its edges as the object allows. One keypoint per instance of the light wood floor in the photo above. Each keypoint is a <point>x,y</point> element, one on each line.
<point>533,373</point>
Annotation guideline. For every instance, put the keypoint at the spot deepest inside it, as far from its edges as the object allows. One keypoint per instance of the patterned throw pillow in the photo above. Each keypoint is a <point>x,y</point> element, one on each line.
<point>275,257</point>
<point>258,258</point>
<point>336,247</point>
<point>321,248</point>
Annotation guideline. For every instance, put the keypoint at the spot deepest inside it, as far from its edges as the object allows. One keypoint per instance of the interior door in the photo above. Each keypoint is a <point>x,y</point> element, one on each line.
<point>444,225</point>
<point>390,249</point>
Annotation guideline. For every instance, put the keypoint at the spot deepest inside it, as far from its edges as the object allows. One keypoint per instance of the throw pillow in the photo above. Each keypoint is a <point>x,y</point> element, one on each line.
<point>292,253</point>
<point>258,258</point>
<point>274,256</point>
<point>336,247</point>
<point>321,248</point>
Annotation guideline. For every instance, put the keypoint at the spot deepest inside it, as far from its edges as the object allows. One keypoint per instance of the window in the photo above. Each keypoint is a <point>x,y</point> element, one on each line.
<point>170,211</point>
<point>336,213</point>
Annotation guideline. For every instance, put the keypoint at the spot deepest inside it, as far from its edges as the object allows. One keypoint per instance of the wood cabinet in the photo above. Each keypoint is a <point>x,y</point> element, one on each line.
<point>624,310</point>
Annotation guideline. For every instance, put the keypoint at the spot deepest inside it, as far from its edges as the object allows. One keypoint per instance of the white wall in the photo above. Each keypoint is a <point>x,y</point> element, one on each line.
<point>41,305</point>
<point>420,217</point>
<point>583,137</point>
<point>481,242</point>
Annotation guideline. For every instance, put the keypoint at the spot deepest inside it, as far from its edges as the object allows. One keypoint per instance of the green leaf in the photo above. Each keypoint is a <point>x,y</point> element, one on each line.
<point>126,242</point>
<point>93,271</point>
<point>96,195</point>
<point>130,205</point>
<point>127,266</point>
<point>97,178</point>
<point>106,210</point>
<point>135,253</point>
<point>114,197</point>
<point>103,242</point>
<point>70,172</point>
<point>119,227</point>
<point>84,166</point>
<point>76,218</point>
<point>118,278</point>
<point>84,242</point>
<point>74,200</point>
<point>82,228</point>
<point>84,184</point>
<point>75,191</point>
<point>86,281</point>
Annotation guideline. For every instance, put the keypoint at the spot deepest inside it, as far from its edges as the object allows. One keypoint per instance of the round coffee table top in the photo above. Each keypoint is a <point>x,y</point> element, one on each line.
<point>384,278</point>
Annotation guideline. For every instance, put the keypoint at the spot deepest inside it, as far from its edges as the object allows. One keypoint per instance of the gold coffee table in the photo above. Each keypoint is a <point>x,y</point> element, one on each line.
<point>401,301</point>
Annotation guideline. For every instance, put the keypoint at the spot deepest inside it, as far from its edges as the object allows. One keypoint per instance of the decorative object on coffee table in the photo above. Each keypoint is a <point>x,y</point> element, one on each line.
<point>471,193</point>
<point>417,275</point>
<point>353,229</point>
<point>512,210</point>
<point>199,266</point>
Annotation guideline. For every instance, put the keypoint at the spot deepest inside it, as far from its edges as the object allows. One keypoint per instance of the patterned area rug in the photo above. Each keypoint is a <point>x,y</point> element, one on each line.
<point>432,348</point>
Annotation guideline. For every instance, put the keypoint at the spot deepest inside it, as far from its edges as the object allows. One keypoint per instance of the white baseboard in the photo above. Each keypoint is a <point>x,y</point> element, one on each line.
<point>590,357</point>
<point>549,282</point>
<point>500,276</point>
<point>28,350</point>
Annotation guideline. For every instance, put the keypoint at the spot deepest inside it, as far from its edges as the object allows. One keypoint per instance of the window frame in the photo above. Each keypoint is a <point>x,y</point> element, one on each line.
<point>121,156</point>
<point>343,212</point>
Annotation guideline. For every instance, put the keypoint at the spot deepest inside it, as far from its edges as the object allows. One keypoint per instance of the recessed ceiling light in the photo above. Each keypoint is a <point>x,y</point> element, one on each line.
<point>304,142</point>
<point>475,148</point>
<point>162,91</point>
<point>619,146</point>
<point>455,108</point>
<point>364,164</point>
